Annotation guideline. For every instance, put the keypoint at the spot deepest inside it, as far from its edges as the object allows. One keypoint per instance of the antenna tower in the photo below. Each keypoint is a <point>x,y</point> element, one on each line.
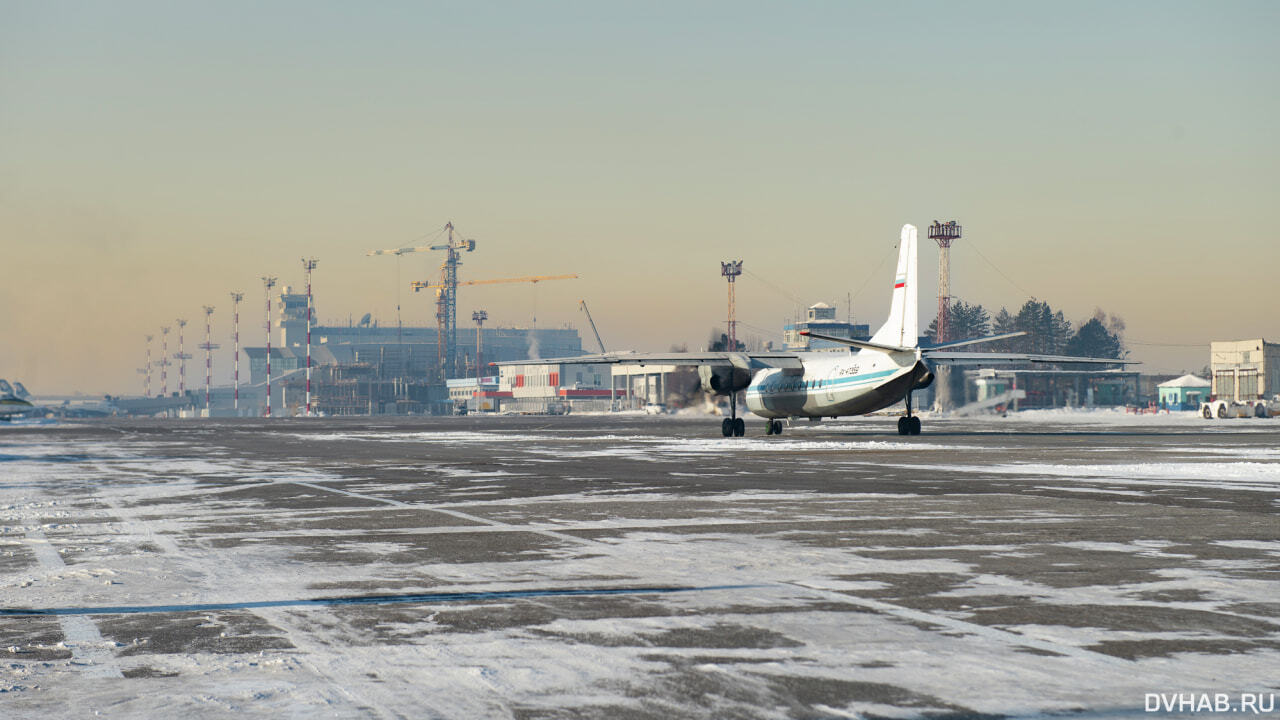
<point>944,234</point>
<point>267,284</point>
<point>308,265</point>
<point>208,346</point>
<point>236,297</point>
<point>730,271</point>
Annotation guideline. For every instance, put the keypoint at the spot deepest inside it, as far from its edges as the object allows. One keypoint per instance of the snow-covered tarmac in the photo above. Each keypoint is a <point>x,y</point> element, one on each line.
<point>1039,565</point>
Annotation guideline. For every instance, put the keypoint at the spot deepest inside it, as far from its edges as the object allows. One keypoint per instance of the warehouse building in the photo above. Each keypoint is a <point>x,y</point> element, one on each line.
<point>1244,370</point>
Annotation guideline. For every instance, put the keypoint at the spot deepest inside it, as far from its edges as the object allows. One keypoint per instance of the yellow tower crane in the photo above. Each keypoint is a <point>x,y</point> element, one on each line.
<point>427,284</point>
<point>443,287</point>
<point>397,252</point>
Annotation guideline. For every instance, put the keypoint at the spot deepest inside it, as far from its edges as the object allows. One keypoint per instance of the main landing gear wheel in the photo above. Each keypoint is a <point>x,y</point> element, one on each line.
<point>773,427</point>
<point>733,427</point>
<point>910,424</point>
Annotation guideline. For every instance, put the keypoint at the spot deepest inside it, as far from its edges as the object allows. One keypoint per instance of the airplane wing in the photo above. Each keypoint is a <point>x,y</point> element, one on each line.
<point>940,354</point>
<point>745,361</point>
<point>997,358</point>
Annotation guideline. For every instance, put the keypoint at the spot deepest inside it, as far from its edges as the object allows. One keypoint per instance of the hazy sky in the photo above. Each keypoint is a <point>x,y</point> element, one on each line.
<point>155,156</point>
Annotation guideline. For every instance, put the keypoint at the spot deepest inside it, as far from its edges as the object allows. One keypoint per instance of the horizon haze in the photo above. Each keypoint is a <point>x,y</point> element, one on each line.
<point>1120,157</point>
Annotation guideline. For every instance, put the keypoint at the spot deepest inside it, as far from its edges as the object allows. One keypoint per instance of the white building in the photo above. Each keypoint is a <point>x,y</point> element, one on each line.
<point>1245,370</point>
<point>821,318</point>
<point>638,386</point>
<point>554,388</point>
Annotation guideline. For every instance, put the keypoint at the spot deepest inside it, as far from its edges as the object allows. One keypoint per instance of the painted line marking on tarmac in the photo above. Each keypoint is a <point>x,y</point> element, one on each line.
<point>1002,636</point>
<point>420,598</point>
<point>81,635</point>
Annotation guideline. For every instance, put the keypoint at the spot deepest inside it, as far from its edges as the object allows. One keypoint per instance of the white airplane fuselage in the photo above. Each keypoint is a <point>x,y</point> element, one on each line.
<point>832,384</point>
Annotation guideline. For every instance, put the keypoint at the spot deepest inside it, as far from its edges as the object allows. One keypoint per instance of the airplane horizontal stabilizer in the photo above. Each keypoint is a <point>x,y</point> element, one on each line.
<point>861,344</point>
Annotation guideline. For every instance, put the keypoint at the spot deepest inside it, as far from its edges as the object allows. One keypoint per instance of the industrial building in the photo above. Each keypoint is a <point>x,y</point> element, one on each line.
<point>1244,370</point>
<point>1050,388</point>
<point>557,389</point>
<point>364,368</point>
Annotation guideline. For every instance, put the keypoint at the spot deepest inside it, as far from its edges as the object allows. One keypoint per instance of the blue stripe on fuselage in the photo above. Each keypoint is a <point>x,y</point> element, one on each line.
<point>828,384</point>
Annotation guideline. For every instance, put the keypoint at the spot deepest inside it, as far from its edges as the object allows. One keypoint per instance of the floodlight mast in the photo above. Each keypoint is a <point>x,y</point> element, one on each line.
<point>236,297</point>
<point>730,271</point>
<point>308,265</point>
<point>944,234</point>
<point>208,346</point>
<point>479,316</point>
<point>268,282</point>
<point>147,371</point>
<point>164,361</point>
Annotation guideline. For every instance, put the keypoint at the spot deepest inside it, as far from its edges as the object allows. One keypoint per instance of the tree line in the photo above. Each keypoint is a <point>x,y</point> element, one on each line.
<point>1047,331</point>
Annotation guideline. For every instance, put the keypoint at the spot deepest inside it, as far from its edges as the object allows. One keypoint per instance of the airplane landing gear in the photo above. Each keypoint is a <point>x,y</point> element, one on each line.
<point>773,427</point>
<point>909,425</point>
<point>733,426</point>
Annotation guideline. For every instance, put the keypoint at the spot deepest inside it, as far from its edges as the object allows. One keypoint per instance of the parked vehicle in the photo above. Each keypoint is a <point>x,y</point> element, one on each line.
<point>1223,409</point>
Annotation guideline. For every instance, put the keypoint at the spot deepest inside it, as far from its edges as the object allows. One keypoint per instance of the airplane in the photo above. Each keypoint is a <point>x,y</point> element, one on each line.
<point>13,402</point>
<point>873,375</point>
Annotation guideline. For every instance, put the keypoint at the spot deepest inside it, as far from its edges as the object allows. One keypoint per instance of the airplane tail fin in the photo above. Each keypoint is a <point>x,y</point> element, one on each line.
<point>902,329</point>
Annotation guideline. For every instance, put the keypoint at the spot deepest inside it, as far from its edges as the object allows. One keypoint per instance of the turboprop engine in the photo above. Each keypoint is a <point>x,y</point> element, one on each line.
<point>923,375</point>
<point>723,379</point>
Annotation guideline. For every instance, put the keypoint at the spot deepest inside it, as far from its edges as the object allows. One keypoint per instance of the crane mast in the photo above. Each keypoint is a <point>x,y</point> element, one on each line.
<point>447,300</point>
<point>583,304</point>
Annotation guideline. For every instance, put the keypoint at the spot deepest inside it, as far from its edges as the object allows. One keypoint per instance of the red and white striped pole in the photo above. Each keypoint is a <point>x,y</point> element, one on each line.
<point>236,297</point>
<point>164,362</point>
<point>209,346</point>
<point>149,337</point>
<point>182,358</point>
<point>268,283</point>
<point>309,265</point>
